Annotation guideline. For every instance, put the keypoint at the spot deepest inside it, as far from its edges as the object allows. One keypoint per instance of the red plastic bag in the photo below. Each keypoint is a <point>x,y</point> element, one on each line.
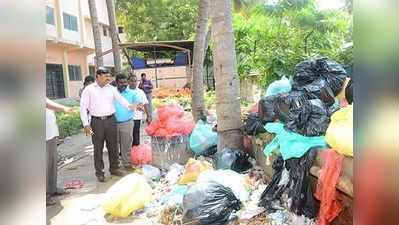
<point>254,108</point>
<point>326,193</point>
<point>141,154</point>
<point>168,111</point>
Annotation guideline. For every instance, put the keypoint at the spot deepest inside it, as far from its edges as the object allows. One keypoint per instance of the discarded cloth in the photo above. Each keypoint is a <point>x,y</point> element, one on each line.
<point>290,144</point>
<point>326,193</point>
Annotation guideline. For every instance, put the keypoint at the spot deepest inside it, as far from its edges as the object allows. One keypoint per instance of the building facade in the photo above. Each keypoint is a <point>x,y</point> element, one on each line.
<point>70,45</point>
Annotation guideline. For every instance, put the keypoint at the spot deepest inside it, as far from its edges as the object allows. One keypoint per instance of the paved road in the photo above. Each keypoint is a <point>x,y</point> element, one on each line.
<point>76,163</point>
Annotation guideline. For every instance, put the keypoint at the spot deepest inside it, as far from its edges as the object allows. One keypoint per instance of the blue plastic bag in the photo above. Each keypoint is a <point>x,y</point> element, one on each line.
<point>202,138</point>
<point>290,144</point>
<point>279,86</point>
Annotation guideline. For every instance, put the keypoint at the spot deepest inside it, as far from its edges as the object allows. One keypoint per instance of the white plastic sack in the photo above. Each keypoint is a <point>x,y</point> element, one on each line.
<point>175,171</point>
<point>228,178</point>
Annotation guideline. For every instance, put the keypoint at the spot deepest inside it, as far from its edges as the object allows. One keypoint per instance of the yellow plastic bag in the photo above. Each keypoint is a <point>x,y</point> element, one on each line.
<point>130,193</point>
<point>339,134</point>
<point>193,169</point>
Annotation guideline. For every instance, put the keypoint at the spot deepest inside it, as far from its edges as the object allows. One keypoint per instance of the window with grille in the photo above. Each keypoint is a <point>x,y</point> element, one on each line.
<point>70,22</point>
<point>75,73</point>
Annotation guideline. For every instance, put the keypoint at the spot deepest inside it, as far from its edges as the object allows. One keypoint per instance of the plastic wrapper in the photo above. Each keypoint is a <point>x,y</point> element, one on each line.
<point>193,169</point>
<point>254,125</point>
<point>291,177</point>
<point>339,134</point>
<point>279,86</point>
<point>202,138</point>
<point>230,179</point>
<point>151,173</point>
<point>174,173</point>
<point>309,120</point>
<point>233,159</point>
<point>326,193</point>
<point>209,203</point>
<point>175,196</point>
<point>141,154</point>
<point>128,194</point>
<point>290,144</point>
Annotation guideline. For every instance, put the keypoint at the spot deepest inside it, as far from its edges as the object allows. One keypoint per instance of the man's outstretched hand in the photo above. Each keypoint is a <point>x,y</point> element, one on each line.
<point>88,131</point>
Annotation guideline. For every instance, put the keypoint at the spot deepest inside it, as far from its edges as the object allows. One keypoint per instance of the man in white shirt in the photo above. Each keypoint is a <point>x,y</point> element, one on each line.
<point>51,150</point>
<point>98,98</point>
<point>138,115</point>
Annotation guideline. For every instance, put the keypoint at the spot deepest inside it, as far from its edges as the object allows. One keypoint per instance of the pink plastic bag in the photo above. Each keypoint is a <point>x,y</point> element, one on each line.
<point>141,154</point>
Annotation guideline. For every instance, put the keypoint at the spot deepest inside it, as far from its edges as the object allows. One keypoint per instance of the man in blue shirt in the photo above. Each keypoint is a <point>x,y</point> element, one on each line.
<point>124,119</point>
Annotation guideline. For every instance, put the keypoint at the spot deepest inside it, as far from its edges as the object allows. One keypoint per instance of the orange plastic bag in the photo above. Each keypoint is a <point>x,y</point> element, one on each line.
<point>193,169</point>
<point>141,154</point>
<point>326,193</point>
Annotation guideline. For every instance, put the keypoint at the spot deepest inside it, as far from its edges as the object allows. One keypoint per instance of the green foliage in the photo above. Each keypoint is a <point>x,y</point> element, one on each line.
<point>160,20</point>
<point>274,38</point>
<point>68,123</point>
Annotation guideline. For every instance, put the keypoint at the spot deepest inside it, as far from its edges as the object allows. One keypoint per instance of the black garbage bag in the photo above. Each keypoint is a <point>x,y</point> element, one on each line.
<point>268,108</point>
<point>271,196</point>
<point>209,203</point>
<point>303,201</point>
<point>319,89</point>
<point>254,125</point>
<point>233,159</point>
<point>289,101</point>
<point>349,92</point>
<point>311,70</point>
<point>312,119</point>
<point>297,186</point>
<point>210,151</point>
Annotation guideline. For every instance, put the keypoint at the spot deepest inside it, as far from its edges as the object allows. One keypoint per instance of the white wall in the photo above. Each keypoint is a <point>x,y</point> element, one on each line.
<point>71,7</point>
<point>101,7</point>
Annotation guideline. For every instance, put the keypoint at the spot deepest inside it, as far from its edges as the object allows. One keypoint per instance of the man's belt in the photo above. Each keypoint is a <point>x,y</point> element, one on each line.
<point>103,117</point>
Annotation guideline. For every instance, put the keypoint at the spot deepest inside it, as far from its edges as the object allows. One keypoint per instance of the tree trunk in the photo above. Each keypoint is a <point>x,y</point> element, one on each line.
<point>114,35</point>
<point>96,34</point>
<point>225,71</point>
<point>198,103</point>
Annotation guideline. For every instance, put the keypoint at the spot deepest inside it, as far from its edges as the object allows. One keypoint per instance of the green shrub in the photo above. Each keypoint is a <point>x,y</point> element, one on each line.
<point>68,123</point>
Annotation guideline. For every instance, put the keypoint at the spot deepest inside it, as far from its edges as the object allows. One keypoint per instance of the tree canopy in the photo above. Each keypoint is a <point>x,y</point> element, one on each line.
<point>270,38</point>
<point>157,20</point>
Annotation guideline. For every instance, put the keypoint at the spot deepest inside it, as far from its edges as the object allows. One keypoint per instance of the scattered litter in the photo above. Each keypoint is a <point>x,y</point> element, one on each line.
<point>151,173</point>
<point>74,184</point>
<point>174,173</point>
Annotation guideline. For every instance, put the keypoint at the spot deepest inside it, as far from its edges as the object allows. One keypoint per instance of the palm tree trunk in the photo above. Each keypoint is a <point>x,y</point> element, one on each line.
<point>96,34</point>
<point>114,35</point>
<point>198,103</point>
<point>225,71</point>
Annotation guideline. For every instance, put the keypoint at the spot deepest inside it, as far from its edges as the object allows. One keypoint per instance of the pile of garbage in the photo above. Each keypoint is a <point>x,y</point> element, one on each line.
<point>307,114</point>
